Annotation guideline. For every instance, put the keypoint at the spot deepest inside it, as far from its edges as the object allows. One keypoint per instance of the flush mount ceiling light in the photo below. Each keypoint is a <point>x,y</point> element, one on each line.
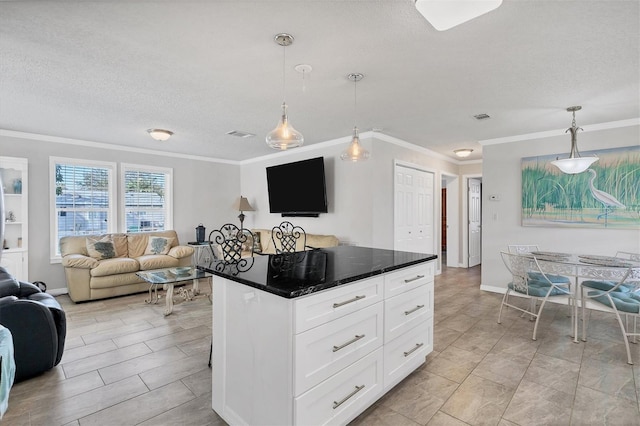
<point>355,151</point>
<point>445,14</point>
<point>575,163</point>
<point>160,134</point>
<point>462,153</point>
<point>284,136</point>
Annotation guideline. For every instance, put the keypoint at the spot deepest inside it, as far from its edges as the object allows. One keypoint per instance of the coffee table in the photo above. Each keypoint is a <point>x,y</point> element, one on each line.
<point>169,277</point>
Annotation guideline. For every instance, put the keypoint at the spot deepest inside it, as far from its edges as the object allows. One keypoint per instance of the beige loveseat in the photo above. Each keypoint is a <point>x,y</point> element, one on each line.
<point>100,266</point>
<point>264,242</point>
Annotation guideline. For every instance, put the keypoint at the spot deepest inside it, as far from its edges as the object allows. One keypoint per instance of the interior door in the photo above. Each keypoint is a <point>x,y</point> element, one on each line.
<point>475,219</point>
<point>413,213</point>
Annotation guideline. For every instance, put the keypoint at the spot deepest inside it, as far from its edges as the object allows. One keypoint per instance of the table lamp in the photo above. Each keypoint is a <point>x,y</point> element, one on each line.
<point>242,205</point>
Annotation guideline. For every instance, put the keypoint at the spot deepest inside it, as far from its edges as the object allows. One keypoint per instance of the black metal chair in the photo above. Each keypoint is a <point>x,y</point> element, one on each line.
<point>288,238</point>
<point>229,242</point>
<point>227,245</point>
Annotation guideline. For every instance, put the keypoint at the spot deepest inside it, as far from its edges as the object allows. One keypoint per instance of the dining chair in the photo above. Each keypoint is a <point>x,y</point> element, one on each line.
<point>228,243</point>
<point>522,248</point>
<point>618,296</point>
<point>532,248</point>
<point>529,280</point>
<point>628,255</point>
<point>288,238</point>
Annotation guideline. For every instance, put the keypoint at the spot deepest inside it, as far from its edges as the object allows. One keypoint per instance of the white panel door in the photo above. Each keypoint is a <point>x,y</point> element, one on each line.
<point>475,231</point>
<point>414,228</point>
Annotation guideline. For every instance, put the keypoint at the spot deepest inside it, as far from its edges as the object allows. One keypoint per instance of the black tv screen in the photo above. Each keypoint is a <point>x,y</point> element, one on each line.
<point>297,189</point>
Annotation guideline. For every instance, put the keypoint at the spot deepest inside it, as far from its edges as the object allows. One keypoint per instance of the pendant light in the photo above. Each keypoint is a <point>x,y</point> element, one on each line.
<point>284,136</point>
<point>355,151</point>
<point>575,163</point>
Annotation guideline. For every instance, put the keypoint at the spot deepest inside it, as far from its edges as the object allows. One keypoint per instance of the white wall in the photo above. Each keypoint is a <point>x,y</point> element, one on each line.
<point>501,222</point>
<point>360,195</point>
<point>203,192</point>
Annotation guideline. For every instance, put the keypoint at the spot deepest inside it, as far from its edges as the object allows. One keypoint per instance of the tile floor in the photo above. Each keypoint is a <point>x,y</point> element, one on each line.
<point>127,364</point>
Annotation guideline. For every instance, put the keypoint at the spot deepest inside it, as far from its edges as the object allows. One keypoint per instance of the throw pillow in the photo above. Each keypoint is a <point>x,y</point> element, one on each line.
<point>257,247</point>
<point>158,245</point>
<point>101,248</point>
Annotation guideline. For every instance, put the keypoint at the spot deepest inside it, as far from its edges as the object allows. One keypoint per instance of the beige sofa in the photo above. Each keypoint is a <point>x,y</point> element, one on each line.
<point>100,266</point>
<point>264,243</point>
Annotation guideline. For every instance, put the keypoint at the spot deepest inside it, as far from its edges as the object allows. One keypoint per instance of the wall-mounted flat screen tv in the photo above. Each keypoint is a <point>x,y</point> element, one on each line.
<point>297,189</point>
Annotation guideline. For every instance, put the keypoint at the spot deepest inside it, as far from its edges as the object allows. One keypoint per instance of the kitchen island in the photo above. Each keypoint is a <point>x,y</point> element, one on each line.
<point>316,337</point>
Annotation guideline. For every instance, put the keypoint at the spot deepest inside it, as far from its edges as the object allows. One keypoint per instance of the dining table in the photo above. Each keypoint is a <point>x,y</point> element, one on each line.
<point>583,267</point>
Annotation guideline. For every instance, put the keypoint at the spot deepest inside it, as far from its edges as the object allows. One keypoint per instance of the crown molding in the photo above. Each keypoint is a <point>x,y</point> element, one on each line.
<point>111,147</point>
<point>560,132</point>
<point>306,148</point>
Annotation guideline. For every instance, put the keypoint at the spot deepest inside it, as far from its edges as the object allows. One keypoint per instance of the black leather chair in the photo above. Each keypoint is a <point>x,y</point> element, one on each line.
<point>37,323</point>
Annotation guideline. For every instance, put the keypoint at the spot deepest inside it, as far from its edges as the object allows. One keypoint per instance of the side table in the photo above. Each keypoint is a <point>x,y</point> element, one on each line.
<point>202,255</point>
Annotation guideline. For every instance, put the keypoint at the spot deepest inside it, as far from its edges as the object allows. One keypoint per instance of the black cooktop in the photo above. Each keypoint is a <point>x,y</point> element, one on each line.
<point>296,274</point>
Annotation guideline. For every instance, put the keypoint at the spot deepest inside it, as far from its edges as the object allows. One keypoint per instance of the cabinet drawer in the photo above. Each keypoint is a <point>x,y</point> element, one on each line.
<point>406,310</point>
<point>317,309</point>
<point>327,349</point>
<point>407,279</point>
<point>342,397</point>
<point>407,352</point>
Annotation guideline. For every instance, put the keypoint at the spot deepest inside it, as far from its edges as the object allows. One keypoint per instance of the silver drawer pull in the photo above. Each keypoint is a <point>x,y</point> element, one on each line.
<point>346,302</point>
<point>417,277</point>
<point>336,404</point>
<point>344,345</point>
<point>413,310</point>
<point>418,346</point>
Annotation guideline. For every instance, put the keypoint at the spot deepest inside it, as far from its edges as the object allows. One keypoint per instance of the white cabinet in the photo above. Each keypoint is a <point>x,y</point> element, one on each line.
<point>14,177</point>
<point>322,358</point>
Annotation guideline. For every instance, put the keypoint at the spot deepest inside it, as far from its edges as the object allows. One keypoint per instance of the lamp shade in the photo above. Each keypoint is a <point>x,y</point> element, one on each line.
<point>572,166</point>
<point>355,151</point>
<point>242,205</point>
<point>284,136</point>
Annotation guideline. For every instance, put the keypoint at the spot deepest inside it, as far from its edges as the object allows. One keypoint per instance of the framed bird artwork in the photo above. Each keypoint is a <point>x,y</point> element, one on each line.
<point>606,195</point>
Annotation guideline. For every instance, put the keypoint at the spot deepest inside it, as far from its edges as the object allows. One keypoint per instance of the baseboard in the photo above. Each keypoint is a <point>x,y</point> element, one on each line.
<point>493,289</point>
<point>58,291</point>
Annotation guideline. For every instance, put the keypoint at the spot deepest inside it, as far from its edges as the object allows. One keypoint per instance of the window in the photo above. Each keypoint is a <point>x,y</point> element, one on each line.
<point>83,199</point>
<point>147,202</point>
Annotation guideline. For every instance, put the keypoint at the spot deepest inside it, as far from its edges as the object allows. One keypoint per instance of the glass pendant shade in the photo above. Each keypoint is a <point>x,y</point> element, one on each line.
<point>572,166</point>
<point>284,136</point>
<point>575,163</point>
<point>355,151</point>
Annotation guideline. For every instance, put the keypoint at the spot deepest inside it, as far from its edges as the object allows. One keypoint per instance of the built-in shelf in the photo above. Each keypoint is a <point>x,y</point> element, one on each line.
<point>14,250</point>
<point>15,182</point>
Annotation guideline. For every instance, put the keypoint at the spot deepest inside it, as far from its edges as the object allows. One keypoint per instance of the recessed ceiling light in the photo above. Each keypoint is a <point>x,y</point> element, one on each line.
<point>240,134</point>
<point>160,134</point>
<point>482,116</point>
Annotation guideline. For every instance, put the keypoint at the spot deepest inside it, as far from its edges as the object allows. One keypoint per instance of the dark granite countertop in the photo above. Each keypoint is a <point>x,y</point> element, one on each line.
<point>296,274</point>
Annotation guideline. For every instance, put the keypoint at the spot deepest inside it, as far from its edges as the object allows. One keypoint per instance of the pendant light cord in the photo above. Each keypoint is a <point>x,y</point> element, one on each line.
<point>355,101</point>
<point>284,60</point>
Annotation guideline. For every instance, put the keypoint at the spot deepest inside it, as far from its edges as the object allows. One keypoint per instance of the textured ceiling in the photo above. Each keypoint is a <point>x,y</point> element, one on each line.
<point>107,71</point>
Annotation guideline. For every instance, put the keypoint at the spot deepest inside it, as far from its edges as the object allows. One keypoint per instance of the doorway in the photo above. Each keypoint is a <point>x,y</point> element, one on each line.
<point>450,215</point>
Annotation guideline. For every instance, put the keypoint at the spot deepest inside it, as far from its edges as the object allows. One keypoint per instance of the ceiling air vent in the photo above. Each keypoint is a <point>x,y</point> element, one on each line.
<point>481,116</point>
<point>240,134</point>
